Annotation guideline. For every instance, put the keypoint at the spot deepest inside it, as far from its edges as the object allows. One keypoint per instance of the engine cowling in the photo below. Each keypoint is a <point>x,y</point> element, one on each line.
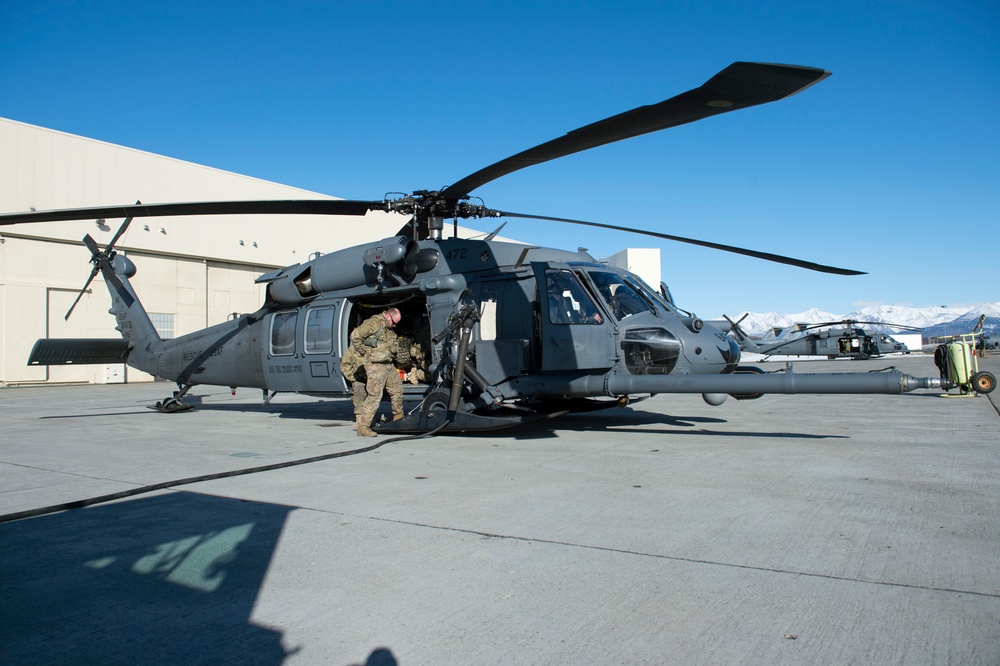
<point>397,259</point>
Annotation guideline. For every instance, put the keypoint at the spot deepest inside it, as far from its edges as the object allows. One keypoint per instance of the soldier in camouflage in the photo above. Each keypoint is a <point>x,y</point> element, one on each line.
<point>375,343</point>
<point>352,366</point>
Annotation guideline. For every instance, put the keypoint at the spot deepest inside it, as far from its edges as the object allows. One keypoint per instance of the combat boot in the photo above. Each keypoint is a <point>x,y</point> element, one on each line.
<point>398,416</point>
<point>365,431</point>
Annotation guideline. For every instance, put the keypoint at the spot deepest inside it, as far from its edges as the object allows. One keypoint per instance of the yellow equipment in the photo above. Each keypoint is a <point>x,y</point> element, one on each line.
<point>958,363</point>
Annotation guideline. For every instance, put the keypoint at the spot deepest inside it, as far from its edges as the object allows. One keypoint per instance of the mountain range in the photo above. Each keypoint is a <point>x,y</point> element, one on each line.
<point>934,321</point>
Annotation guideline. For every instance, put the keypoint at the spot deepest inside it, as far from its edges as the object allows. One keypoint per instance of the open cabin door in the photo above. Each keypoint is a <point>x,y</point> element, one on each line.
<point>576,333</point>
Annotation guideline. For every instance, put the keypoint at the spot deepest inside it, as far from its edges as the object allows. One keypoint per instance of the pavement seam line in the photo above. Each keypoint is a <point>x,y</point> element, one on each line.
<point>661,556</point>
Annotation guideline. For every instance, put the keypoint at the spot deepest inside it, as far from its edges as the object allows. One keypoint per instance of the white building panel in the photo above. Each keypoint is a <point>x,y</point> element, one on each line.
<point>53,170</point>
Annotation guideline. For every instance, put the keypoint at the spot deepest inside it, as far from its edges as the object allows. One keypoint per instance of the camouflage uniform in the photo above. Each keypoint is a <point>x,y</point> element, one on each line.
<point>375,342</point>
<point>352,367</point>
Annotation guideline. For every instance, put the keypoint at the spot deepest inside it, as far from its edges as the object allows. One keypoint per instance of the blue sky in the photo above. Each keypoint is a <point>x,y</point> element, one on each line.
<point>890,166</point>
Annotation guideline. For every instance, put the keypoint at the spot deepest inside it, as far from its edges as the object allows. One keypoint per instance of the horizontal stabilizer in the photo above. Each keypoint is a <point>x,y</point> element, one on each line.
<point>79,351</point>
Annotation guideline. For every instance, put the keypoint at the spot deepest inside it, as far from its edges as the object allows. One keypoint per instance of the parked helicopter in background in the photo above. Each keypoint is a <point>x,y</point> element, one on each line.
<point>512,332</point>
<point>832,339</point>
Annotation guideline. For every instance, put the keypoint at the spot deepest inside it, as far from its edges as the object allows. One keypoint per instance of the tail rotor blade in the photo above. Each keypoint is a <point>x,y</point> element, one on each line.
<point>734,326</point>
<point>92,245</point>
<point>86,284</point>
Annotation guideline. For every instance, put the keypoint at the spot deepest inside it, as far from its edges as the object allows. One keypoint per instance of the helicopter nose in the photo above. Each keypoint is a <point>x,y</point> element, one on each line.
<point>732,358</point>
<point>728,348</point>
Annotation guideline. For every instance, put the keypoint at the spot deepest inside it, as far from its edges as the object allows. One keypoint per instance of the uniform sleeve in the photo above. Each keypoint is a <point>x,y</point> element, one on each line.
<point>366,329</point>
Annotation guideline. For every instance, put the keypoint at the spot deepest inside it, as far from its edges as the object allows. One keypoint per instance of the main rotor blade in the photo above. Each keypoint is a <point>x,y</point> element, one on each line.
<point>855,323</point>
<point>265,207</point>
<point>739,86</point>
<point>118,234</point>
<point>767,256</point>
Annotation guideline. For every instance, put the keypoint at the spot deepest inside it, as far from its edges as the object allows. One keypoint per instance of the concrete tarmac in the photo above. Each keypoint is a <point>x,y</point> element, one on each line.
<point>792,529</point>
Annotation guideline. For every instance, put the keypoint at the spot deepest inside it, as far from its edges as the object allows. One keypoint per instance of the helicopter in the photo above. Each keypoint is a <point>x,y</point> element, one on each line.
<point>835,339</point>
<point>512,332</point>
<point>988,342</point>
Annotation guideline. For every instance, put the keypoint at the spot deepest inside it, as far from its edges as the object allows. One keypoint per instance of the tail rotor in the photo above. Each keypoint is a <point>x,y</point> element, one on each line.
<point>102,261</point>
<point>734,326</point>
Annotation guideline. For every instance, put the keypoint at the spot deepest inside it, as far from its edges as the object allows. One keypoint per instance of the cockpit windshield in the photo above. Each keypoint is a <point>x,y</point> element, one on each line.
<point>659,302</point>
<point>623,298</point>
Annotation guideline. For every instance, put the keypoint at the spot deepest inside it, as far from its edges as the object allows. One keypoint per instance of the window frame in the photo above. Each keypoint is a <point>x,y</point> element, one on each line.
<point>282,316</point>
<point>309,345</point>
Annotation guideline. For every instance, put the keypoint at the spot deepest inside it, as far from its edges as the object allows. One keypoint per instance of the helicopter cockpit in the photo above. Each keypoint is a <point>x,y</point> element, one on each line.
<point>653,335</point>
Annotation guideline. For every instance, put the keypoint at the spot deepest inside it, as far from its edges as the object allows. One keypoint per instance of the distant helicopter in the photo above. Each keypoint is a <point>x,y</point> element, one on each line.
<point>513,332</point>
<point>988,342</point>
<point>836,339</point>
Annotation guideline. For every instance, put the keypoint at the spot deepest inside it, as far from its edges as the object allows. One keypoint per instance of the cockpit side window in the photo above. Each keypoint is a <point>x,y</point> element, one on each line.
<point>568,301</point>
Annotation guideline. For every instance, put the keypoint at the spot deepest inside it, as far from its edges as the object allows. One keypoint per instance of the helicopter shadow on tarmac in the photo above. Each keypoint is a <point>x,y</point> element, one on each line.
<point>635,421</point>
<point>339,412</point>
<point>335,411</point>
<point>166,579</point>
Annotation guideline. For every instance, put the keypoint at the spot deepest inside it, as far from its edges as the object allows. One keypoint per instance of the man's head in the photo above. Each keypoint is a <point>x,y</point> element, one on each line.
<point>392,316</point>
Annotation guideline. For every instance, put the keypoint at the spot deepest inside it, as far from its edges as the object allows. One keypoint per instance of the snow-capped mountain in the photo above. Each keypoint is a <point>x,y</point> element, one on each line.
<point>933,321</point>
<point>968,321</point>
<point>759,323</point>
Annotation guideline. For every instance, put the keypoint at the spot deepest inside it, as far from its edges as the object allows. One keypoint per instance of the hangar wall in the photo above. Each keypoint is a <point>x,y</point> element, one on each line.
<point>192,272</point>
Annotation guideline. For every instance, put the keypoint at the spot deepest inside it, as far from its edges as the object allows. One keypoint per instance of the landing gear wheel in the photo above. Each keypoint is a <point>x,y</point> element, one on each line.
<point>173,403</point>
<point>984,382</point>
<point>438,400</point>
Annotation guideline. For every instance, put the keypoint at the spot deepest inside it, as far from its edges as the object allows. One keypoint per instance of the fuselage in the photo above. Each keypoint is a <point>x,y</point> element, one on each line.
<point>542,313</point>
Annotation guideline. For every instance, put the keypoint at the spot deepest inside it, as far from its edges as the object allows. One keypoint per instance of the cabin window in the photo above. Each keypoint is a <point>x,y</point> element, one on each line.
<point>319,331</point>
<point>569,302</point>
<point>283,333</point>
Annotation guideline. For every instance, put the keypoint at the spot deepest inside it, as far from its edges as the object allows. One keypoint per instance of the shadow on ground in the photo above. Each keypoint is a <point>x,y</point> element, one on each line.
<point>166,579</point>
